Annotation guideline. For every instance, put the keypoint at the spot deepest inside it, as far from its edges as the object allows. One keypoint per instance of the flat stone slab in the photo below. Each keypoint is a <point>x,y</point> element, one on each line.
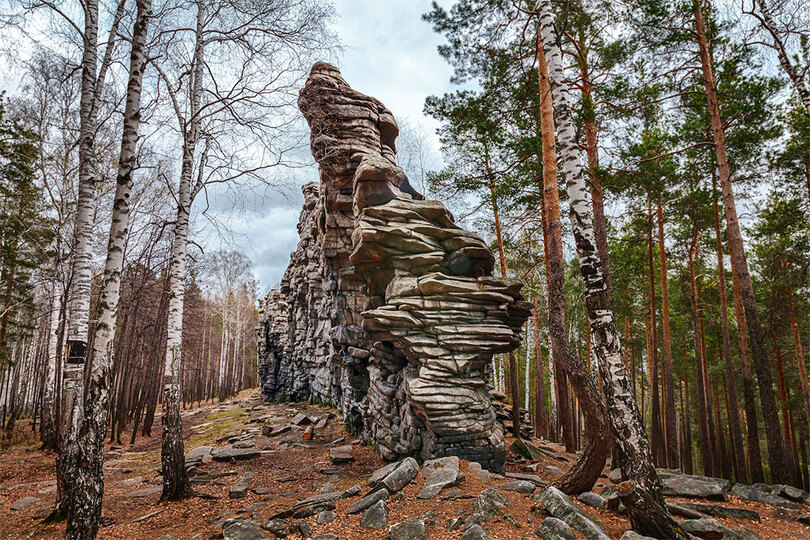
<point>438,480</point>
<point>341,454</point>
<point>367,501</point>
<point>698,487</point>
<point>555,529</point>
<point>411,529</point>
<point>707,528</point>
<point>145,492</point>
<point>519,486</point>
<point>400,476</point>
<point>722,511</point>
<point>234,529</point>
<point>753,493</point>
<point>560,506</point>
<point>227,453</point>
<point>592,499</point>
<point>25,502</point>
<point>375,516</point>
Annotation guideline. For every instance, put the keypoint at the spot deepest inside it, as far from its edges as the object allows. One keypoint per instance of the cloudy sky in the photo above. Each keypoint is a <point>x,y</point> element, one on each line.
<point>389,53</point>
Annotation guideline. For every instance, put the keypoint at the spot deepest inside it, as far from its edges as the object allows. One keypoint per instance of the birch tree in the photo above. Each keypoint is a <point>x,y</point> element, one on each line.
<point>84,512</point>
<point>645,503</point>
<point>232,102</point>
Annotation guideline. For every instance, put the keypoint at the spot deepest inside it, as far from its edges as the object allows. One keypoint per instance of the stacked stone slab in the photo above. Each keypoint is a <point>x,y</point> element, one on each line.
<point>388,310</point>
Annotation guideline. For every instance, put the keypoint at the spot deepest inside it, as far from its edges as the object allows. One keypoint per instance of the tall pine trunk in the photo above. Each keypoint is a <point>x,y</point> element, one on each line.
<point>670,424</point>
<point>655,403</point>
<point>586,471</point>
<point>642,496</point>
<point>84,512</point>
<point>740,471</point>
<point>778,456</point>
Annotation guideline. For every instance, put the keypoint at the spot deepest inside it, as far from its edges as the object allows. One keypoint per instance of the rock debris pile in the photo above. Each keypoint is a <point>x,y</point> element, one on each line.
<point>388,310</point>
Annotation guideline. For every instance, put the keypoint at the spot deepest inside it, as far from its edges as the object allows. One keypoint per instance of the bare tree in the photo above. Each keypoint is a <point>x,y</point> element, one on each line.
<point>231,99</point>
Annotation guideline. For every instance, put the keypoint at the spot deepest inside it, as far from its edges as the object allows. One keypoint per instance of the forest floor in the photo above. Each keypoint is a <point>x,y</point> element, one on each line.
<point>287,469</point>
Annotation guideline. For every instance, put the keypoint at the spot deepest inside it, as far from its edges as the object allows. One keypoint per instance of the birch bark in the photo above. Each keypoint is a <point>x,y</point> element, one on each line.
<point>176,485</point>
<point>642,497</point>
<point>84,512</point>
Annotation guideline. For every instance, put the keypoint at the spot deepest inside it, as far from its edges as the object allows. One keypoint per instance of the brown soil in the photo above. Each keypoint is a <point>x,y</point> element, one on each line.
<point>27,471</point>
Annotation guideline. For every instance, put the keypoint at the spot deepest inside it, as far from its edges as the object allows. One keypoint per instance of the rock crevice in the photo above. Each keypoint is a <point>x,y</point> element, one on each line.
<point>388,309</point>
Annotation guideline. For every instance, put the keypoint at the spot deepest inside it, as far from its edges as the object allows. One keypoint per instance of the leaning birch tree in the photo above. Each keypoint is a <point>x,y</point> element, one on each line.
<point>642,493</point>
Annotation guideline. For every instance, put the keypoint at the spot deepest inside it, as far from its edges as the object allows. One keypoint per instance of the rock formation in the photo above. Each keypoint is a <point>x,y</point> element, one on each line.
<point>388,310</point>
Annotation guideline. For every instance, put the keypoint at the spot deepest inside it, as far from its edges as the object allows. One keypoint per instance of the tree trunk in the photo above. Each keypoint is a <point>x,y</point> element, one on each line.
<point>645,504</point>
<point>796,76</point>
<point>779,459</point>
<point>540,390</point>
<point>706,454</point>
<point>669,394</point>
<point>740,471</point>
<point>798,358</point>
<point>176,484</point>
<point>586,471</point>
<point>85,509</point>
<point>514,388</point>
<point>48,427</point>
<point>659,455</point>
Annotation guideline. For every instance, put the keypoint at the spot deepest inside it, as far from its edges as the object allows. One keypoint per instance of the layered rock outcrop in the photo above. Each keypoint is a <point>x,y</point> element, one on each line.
<point>388,310</point>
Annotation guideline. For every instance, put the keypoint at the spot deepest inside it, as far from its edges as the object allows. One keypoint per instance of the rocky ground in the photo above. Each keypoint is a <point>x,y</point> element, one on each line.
<point>268,471</point>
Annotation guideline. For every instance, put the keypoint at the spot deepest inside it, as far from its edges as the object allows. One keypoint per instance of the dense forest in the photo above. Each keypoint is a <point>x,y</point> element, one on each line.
<point>643,166</point>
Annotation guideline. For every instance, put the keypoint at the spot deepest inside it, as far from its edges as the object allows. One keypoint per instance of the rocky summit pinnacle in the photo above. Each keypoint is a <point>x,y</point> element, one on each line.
<point>388,310</point>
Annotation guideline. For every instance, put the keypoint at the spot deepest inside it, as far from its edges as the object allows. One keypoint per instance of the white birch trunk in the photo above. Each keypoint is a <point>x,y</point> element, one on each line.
<point>528,362</point>
<point>645,504</point>
<point>175,480</point>
<point>85,511</point>
<point>796,76</point>
<point>49,421</point>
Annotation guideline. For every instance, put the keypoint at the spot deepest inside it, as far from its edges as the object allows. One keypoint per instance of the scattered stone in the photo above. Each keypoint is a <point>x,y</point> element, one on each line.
<point>791,493</point>
<point>559,505</point>
<point>367,501</point>
<point>145,492</point>
<point>723,511</point>
<point>328,536</point>
<point>400,476</point>
<point>47,490</point>
<point>553,470</point>
<point>277,527</point>
<point>489,504</point>
<point>536,480</point>
<point>310,506</point>
<point>443,462</point>
<point>438,480</point>
<point>234,529</point>
<point>742,533</point>
<point>325,517</point>
<point>475,532</point>
<point>688,513</point>
<point>376,516</point>
<point>352,491</point>
<point>708,528</point>
<point>329,471</point>
<point>412,529</point>
<point>198,456</point>
<point>592,499</point>
<point>25,502</point>
<point>240,489</point>
<point>526,450</point>
<point>633,535</point>
<point>304,528</point>
<point>555,529</point>
<point>615,476</point>
<point>148,516</point>
<point>698,487</point>
<point>251,508</point>
<point>341,454</point>
<point>129,482</point>
<point>519,486</point>
<point>228,453</point>
<point>301,419</point>
<point>285,479</point>
<point>481,473</point>
<point>261,490</point>
<point>752,493</point>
